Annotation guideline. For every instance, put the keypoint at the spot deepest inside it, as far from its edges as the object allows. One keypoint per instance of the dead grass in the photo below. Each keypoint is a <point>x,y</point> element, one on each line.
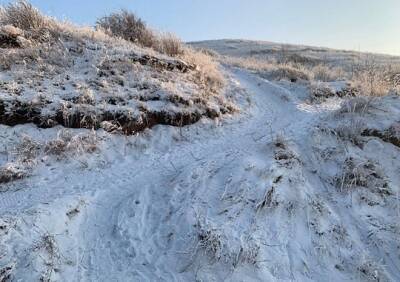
<point>66,143</point>
<point>359,105</point>
<point>11,172</point>
<point>169,44</point>
<point>366,76</point>
<point>362,174</point>
<point>219,248</point>
<point>51,256</point>
<point>271,69</point>
<point>327,73</point>
<point>208,74</point>
<point>267,201</point>
<point>376,80</point>
<point>211,241</point>
<point>284,155</point>
<point>27,150</point>
<point>288,70</point>
<point>351,131</point>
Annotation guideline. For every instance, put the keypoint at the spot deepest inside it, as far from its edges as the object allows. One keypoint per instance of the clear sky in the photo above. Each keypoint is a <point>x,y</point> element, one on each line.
<point>365,25</point>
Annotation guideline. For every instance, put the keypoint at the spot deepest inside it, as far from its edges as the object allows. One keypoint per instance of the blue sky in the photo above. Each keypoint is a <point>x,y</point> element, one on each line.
<point>366,25</point>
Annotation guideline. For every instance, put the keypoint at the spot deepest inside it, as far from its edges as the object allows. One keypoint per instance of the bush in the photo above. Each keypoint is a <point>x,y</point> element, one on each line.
<point>24,16</point>
<point>128,26</point>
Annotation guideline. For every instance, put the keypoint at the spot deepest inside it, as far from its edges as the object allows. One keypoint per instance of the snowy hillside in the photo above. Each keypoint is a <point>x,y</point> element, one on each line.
<point>264,49</point>
<point>119,163</point>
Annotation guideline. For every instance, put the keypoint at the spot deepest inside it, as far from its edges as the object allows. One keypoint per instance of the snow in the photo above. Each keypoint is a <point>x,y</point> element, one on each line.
<point>246,197</point>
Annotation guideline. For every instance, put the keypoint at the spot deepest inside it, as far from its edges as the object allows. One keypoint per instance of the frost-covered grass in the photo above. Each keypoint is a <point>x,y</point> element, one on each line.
<point>83,77</point>
<point>263,195</point>
<point>301,184</point>
<point>368,74</point>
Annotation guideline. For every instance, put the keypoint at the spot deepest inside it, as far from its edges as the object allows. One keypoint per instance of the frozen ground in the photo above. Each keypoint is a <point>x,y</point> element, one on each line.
<point>285,190</point>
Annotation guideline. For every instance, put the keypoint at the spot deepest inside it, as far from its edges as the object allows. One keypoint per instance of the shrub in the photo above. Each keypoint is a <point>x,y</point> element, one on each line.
<point>24,16</point>
<point>128,26</point>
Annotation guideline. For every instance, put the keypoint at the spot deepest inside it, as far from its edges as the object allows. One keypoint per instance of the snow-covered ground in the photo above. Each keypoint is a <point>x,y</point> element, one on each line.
<point>285,190</point>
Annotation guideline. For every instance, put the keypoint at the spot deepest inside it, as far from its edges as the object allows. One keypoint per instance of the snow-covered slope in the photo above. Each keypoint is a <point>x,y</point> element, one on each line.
<point>286,190</point>
<point>268,50</point>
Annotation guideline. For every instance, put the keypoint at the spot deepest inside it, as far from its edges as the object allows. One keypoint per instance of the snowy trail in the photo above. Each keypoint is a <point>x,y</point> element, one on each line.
<point>210,202</point>
<point>146,194</point>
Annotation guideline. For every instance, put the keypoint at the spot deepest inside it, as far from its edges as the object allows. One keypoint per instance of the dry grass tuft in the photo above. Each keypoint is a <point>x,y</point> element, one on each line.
<point>358,105</point>
<point>210,240</point>
<point>27,150</point>
<point>219,247</point>
<point>289,72</point>
<point>326,73</point>
<point>208,74</point>
<point>49,248</point>
<point>170,44</point>
<point>362,174</point>
<point>67,143</point>
<point>373,79</point>
<point>351,131</point>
